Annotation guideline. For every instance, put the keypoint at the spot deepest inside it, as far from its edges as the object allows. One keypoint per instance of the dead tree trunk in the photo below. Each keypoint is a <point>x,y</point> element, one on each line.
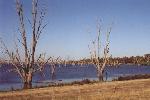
<point>53,63</point>
<point>27,79</point>
<point>95,54</point>
<point>100,75</point>
<point>53,67</point>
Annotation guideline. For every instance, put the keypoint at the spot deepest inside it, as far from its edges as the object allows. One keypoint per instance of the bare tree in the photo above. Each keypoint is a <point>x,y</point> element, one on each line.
<point>53,63</point>
<point>100,62</point>
<point>27,65</point>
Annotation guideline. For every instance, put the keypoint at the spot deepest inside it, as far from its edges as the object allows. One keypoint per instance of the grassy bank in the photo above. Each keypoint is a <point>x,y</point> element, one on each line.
<point>121,90</point>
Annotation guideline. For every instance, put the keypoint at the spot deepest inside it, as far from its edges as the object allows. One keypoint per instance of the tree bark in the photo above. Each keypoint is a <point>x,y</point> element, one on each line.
<point>27,80</point>
<point>100,75</point>
<point>53,75</point>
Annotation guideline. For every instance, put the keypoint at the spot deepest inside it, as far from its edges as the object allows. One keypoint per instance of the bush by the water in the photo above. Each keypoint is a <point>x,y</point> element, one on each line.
<point>132,77</point>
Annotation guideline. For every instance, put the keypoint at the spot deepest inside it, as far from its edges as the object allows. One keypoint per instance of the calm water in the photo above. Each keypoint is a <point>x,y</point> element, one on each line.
<point>10,80</point>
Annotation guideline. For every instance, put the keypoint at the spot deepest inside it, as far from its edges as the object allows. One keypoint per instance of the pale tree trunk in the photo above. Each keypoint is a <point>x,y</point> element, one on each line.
<point>100,75</point>
<point>53,75</point>
<point>53,65</point>
<point>27,79</point>
<point>100,71</point>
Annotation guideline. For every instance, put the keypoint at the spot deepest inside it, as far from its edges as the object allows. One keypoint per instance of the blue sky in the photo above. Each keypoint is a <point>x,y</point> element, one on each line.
<point>72,25</point>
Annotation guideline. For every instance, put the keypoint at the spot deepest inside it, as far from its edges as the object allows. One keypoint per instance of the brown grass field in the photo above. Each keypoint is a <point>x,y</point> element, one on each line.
<point>118,90</point>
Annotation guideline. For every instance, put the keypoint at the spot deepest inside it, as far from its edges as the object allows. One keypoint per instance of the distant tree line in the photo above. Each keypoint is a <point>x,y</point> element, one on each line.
<point>137,60</point>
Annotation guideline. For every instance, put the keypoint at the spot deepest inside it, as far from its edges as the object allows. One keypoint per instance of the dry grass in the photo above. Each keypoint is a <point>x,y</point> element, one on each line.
<point>119,90</point>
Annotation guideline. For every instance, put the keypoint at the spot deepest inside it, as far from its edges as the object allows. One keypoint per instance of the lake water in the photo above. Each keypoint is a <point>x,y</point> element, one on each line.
<point>69,73</point>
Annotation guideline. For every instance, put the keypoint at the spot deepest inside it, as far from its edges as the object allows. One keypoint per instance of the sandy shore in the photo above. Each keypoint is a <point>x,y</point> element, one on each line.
<point>119,90</point>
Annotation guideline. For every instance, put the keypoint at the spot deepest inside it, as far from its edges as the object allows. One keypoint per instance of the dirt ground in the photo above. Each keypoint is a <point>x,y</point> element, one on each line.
<point>117,90</point>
